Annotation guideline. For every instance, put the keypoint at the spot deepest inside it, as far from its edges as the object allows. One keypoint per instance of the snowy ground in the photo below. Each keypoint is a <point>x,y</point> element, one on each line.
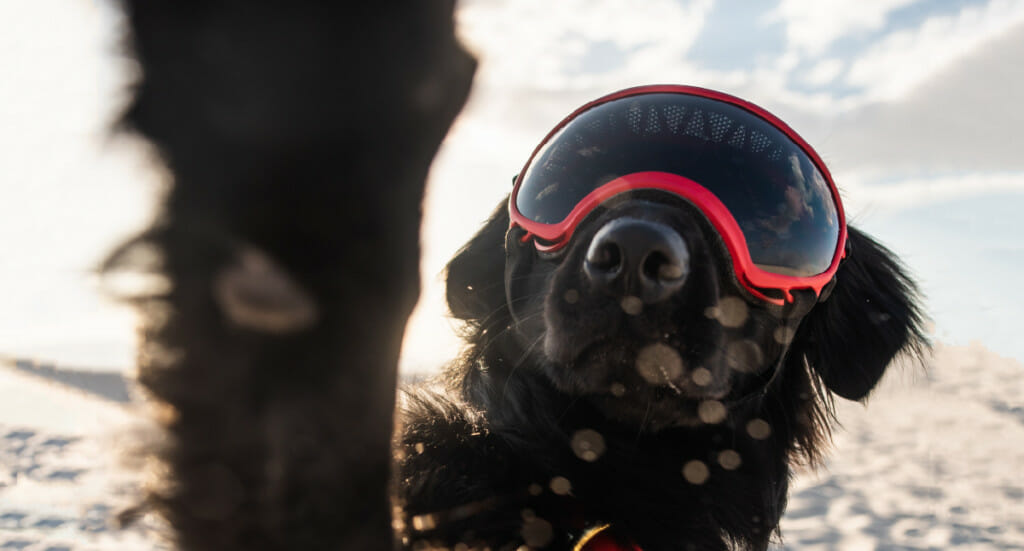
<point>62,464</point>
<point>935,462</point>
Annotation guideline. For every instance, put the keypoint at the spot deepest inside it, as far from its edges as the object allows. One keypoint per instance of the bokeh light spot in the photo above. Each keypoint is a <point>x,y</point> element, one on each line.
<point>744,356</point>
<point>572,296</point>
<point>711,412</point>
<point>632,305</point>
<point>731,312</point>
<point>696,472</point>
<point>422,523</point>
<point>701,376</point>
<point>783,334</point>
<point>561,485</point>
<point>659,364</point>
<point>588,444</point>
<point>730,460</point>
<point>537,532</point>
<point>759,429</point>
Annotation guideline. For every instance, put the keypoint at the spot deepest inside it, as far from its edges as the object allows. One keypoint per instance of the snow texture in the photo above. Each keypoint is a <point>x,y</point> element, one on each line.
<point>936,461</point>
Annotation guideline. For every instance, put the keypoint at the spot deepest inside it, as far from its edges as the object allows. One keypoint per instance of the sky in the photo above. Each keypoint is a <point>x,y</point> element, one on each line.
<point>913,104</point>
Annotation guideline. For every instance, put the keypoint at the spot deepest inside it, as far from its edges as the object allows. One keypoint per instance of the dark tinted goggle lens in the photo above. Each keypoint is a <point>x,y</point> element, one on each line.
<point>781,201</point>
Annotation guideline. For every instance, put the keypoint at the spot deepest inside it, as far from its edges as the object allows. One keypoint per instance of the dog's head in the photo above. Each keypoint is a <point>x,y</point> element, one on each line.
<point>641,311</point>
<point>642,315</point>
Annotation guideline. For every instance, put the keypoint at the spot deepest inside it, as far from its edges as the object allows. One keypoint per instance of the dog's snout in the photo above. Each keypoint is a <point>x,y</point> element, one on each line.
<point>632,257</point>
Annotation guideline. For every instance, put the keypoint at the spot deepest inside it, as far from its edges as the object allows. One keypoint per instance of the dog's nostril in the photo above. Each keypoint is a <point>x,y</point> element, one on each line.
<point>659,267</point>
<point>605,256</point>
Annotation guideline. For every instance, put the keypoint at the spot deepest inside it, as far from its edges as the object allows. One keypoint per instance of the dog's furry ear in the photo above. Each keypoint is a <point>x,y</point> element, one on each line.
<point>872,315</point>
<point>475,276</point>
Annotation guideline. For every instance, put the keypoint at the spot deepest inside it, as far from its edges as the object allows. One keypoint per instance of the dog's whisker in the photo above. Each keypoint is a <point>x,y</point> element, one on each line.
<point>520,362</point>
<point>493,338</point>
<point>529,349</point>
<point>643,422</point>
<point>488,318</point>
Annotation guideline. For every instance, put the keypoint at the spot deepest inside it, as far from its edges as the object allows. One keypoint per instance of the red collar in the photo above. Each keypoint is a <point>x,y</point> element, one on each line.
<point>600,539</point>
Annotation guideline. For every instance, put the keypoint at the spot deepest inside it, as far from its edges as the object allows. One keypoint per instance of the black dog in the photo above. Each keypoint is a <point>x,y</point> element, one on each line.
<point>667,423</point>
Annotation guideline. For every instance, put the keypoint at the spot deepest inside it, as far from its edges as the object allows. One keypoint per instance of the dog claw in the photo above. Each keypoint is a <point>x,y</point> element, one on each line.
<point>257,293</point>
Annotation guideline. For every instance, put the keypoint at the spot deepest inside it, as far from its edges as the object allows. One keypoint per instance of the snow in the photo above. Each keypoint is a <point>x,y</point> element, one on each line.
<point>62,472</point>
<point>935,461</point>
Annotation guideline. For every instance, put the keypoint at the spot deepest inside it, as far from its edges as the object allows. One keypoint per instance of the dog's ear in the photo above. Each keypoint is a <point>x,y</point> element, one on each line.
<point>872,315</point>
<point>475,283</point>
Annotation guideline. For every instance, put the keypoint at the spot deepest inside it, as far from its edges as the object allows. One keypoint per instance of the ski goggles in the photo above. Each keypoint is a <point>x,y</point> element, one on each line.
<point>759,184</point>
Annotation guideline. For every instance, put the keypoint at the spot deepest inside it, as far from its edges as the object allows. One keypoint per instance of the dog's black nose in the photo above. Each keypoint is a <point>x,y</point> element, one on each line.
<point>632,257</point>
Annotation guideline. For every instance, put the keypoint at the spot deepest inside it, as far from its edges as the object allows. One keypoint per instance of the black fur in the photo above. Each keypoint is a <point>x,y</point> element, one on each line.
<point>481,466</point>
<point>297,135</point>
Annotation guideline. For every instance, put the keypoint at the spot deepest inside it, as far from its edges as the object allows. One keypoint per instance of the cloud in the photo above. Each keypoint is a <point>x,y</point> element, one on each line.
<point>813,26</point>
<point>541,45</point>
<point>966,117</point>
<point>903,59</point>
<point>824,72</point>
<point>842,55</point>
<point>861,196</point>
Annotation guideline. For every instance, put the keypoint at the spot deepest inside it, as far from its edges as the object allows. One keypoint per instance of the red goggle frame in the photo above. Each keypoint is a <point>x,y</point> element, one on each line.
<point>752,277</point>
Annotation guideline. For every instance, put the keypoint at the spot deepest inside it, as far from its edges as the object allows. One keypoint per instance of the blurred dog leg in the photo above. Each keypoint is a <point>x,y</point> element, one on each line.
<point>297,137</point>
